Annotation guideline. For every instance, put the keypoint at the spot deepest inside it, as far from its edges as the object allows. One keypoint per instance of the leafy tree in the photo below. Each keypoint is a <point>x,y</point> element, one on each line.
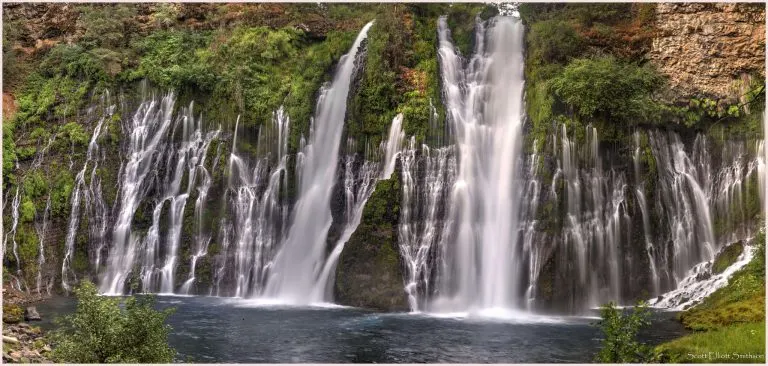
<point>100,331</point>
<point>620,329</point>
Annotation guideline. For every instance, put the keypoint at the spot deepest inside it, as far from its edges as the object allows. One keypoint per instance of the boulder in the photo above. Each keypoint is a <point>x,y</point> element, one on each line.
<point>30,313</point>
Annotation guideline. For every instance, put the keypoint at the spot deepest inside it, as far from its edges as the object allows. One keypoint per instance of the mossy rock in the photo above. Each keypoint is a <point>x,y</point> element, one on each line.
<point>726,257</point>
<point>369,273</point>
<point>12,314</point>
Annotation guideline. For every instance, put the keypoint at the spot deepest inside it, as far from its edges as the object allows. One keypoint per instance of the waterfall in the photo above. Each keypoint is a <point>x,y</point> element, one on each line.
<point>684,203</point>
<point>703,201</point>
<point>643,204</point>
<point>359,185</point>
<point>423,196</point>
<point>535,253</point>
<point>393,145</point>
<point>41,227</point>
<point>190,157</point>
<point>299,261</point>
<point>146,131</point>
<point>202,240</point>
<point>254,203</point>
<point>596,223</point>
<point>11,234</point>
<point>97,216</point>
<point>484,105</point>
<point>357,189</point>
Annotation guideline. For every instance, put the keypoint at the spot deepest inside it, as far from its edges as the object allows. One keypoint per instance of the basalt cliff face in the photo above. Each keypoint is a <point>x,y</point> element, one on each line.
<point>599,186</point>
<point>711,50</point>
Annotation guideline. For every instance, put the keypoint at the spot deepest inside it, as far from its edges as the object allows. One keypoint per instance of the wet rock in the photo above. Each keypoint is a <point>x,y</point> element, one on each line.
<point>31,313</point>
<point>703,276</point>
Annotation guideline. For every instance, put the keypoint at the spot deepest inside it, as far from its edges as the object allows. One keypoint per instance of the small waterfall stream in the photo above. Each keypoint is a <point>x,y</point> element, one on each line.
<point>146,131</point>
<point>298,263</point>
<point>93,201</point>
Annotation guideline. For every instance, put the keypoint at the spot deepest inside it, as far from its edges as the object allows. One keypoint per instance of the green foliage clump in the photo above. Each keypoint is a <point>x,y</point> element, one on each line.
<point>172,59</point>
<point>9,152</point>
<point>608,88</point>
<point>100,331</point>
<point>26,210</point>
<point>28,247</point>
<point>620,329</point>
<point>74,133</point>
<point>35,184</point>
<point>107,26</point>
<point>61,191</point>
<point>553,42</point>
<point>12,313</point>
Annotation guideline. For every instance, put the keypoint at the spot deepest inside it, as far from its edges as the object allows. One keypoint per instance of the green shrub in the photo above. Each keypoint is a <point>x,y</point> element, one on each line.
<point>75,133</point>
<point>553,41</point>
<point>9,152</point>
<point>173,59</point>
<point>620,329</point>
<point>608,88</point>
<point>107,25</point>
<point>101,332</point>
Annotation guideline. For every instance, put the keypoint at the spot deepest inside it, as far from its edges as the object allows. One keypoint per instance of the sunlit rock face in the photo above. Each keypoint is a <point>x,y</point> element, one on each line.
<point>709,49</point>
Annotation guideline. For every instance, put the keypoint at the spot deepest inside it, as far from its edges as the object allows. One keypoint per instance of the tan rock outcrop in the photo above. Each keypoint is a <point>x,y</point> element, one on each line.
<point>709,50</point>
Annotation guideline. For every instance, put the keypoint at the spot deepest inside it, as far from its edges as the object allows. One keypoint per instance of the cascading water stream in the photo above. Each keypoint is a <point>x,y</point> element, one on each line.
<point>93,200</point>
<point>683,197</point>
<point>11,235</point>
<point>357,189</point>
<point>418,239</point>
<point>300,259</point>
<point>255,204</point>
<point>190,157</point>
<point>41,227</point>
<point>146,131</point>
<point>202,240</point>
<point>484,105</point>
<point>393,146</point>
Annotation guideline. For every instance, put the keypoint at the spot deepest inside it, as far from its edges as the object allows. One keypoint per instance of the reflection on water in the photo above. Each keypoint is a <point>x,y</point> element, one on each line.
<point>208,329</point>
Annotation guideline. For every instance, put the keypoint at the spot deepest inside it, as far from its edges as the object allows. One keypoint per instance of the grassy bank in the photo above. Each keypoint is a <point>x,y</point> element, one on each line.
<point>729,325</point>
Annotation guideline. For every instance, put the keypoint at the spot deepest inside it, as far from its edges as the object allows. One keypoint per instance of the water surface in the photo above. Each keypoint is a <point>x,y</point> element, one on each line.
<point>223,330</point>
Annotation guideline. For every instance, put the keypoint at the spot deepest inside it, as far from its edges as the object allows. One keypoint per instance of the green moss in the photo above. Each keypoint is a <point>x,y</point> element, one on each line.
<point>26,210</point>
<point>12,314</point>
<point>74,133</point>
<point>35,184</point>
<point>61,191</point>
<point>28,247</point>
